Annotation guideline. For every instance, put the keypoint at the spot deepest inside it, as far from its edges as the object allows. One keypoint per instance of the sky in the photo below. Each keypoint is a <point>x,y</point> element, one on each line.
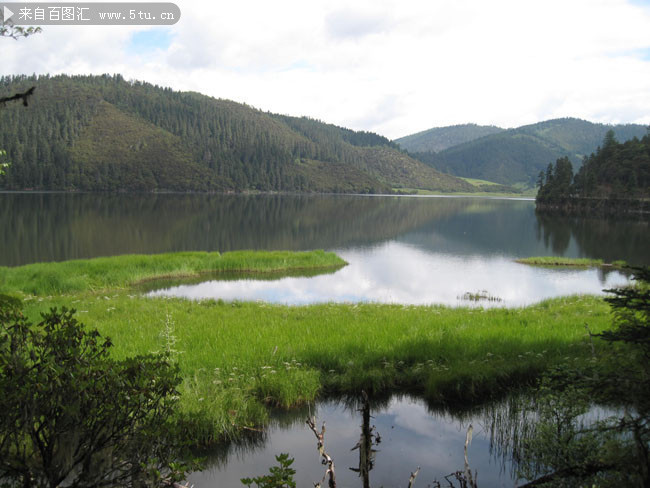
<point>387,66</point>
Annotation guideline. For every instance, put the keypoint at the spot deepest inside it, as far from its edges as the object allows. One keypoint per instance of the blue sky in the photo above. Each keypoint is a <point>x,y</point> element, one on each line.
<point>148,41</point>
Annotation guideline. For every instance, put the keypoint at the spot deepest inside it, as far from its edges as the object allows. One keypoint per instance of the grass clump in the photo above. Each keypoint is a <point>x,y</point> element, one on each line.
<point>569,262</point>
<point>122,271</point>
<point>482,295</point>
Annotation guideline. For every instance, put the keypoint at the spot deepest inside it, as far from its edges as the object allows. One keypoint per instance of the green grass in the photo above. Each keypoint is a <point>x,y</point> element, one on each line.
<point>415,191</point>
<point>477,182</point>
<point>569,262</point>
<point>121,271</point>
<point>484,188</point>
<point>521,189</point>
<point>238,358</point>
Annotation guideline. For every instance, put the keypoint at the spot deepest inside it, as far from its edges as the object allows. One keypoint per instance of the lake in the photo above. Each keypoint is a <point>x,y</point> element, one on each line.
<point>417,250</point>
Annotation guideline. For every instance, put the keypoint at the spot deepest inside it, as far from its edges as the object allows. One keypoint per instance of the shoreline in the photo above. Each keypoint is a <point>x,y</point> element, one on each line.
<point>416,193</point>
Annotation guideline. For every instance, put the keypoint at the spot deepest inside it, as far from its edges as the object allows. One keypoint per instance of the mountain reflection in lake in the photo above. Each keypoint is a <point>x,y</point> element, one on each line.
<point>59,226</point>
<point>411,435</point>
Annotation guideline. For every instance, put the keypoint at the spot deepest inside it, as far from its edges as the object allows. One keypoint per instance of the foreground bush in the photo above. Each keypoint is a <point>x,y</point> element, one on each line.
<point>570,449</point>
<point>72,415</point>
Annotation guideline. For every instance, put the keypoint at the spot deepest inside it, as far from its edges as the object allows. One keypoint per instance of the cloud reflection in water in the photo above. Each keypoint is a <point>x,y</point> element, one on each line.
<point>398,273</point>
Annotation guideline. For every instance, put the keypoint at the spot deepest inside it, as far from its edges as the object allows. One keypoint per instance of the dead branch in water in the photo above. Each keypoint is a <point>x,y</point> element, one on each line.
<point>413,476</point>
<point>465,478</point>
<point>326,458</point>
<point>369,438</point>
<point>468,471</point>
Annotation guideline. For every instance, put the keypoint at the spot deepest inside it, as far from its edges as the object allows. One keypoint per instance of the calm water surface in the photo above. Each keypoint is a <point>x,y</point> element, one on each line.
<point>411,435</point>
<point>397,272</point>
<point>400,249</point>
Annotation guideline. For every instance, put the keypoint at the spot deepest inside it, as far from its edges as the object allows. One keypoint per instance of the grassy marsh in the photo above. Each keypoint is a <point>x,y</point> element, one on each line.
<point>239,358</point>
<point>122,271</point>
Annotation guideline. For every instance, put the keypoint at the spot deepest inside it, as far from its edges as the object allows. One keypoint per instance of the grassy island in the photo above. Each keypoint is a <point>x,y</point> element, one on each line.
<point>119,272</point>
<point>237,359</point>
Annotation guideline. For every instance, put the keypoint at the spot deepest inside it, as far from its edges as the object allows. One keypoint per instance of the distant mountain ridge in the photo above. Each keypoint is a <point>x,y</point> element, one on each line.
<point>103,133</point>
<point>440,138</point>
<point>518,155</point>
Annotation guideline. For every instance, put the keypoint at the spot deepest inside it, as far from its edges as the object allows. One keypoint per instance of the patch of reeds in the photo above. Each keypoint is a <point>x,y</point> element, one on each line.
<point>478,296</point>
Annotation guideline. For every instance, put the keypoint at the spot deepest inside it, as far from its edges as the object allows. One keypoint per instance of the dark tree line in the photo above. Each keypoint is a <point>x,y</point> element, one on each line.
<point>615,170</point>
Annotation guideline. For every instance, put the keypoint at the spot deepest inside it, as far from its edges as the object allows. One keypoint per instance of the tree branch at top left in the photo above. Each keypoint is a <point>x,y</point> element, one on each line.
<point>19,96</point>
<point>15,32</point>
<point>8,29</point>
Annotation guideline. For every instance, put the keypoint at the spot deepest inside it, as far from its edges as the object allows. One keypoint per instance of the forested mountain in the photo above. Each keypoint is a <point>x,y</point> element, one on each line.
<point>106,133</point>
<point>518,155</point>
<point>580,137</point>
<point>440,138</point>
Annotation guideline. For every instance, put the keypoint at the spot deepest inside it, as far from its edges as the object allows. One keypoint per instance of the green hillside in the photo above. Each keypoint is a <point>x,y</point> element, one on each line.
<point>118,152</point>
<point>440,138</point>
<point>505,158</point>
<point>579,137</point>
<point>518,155</point>
<point>374,156</point>
<point>103,133</point>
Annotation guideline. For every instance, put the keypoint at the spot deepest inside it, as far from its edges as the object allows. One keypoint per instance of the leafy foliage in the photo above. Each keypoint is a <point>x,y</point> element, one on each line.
<point>632,314</point>
<point>280,476</point>
<point>620,170</point>
<point>616,169</point>
<point>7,29</point>
<point>3,164</point>
<point>567,451</point>
<point>557,180</point>
<point>73,415</point>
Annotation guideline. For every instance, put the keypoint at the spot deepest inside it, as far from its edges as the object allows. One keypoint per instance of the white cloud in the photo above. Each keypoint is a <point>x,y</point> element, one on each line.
<point>387,66</point>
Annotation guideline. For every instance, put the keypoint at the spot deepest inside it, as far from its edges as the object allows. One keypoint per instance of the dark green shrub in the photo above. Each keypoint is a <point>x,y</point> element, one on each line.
<point>73,415</point>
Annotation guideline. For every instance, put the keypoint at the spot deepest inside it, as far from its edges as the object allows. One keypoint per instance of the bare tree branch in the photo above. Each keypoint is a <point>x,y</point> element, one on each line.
<point>327,460</point>
<point>413,476</point>
<point>19,96</point>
